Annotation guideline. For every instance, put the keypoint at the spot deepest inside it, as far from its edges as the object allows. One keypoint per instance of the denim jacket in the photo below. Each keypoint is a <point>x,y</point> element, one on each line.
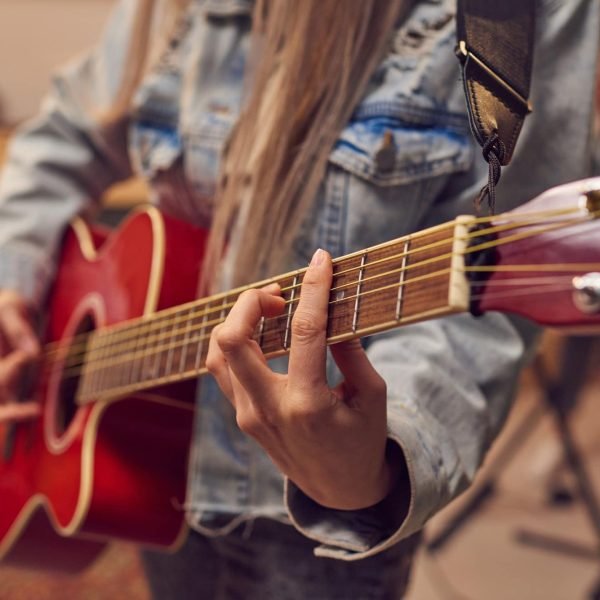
<point>449,380</point>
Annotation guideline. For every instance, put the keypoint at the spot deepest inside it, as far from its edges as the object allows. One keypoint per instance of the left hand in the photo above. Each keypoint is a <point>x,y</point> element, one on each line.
<point>19,348</point>
<point>330,442</point>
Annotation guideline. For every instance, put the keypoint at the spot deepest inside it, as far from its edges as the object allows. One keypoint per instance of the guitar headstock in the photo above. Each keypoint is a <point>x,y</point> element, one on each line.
<point>547,265</point>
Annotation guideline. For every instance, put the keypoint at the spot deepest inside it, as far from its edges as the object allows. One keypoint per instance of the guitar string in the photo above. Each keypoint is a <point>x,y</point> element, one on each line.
<point>183,315</point>
<point>193,372</point>
<point>190,328</point>
<point>100,363</point>
<point>123,326</point>
<point>173,340</point>
<point>158,351</point>
<point>97,364</point>
<point>155,380</point>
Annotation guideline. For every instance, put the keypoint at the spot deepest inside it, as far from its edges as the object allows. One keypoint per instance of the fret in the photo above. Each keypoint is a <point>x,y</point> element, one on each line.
<point>99,376</point>
<point>193,336</point>
<point>87,373</point>
<point>168,345</point>
<point>124,360</point>
<point>270,333</point>
<point>137,357</point>
<point>261,331</point>
<point>224,308</point>
<point>176,344</point>
<point>290,311</point>
<point>202,339</point>
<point>428,274</point>
<point>390,287</point>
<point>135,339</point>
<point>361,273</point>
<point>186,340</point>
<point>163,349</point>
<point>171,345</point>
<point>342,298</point>
<point>380,288</point>
<point>402,278</point>
<point>146,369</point>
<point>117,361</point>
<point>144,357</point>
<point>272,330</point>
<point>112,366</point>
<point>98,373</point>
<point>158,351</point>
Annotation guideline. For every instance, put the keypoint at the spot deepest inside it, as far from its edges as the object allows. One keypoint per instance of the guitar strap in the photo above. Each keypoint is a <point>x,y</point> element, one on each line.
<point>495,47</point>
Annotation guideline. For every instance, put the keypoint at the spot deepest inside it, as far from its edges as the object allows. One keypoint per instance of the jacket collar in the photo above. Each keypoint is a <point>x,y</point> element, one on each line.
<point>228,8</point>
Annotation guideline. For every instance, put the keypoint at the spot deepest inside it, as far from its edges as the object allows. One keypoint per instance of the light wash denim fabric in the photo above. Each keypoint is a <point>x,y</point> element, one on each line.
<point>449,380</point>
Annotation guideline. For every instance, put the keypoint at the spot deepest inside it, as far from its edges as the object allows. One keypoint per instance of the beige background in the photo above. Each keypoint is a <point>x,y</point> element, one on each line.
<point>35,36</point>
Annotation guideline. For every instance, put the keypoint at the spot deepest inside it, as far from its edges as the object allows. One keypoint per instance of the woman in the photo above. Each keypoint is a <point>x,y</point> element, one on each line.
<point>352,131</point>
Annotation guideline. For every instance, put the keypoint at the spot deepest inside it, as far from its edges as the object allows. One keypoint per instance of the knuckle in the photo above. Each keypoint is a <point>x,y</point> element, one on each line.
<point>9,297</point>
<point>310,280</point>
<point>228,338</point>
<point>302,413</point>
<point>308,420</point>
<point>248,422</point>
<point>211,363</point>
<point>13,308</point>
<point>306,327</point>
<point>215,332</point>
<point>380,386</point>
<point>251,295</point>
<point>309,412</point>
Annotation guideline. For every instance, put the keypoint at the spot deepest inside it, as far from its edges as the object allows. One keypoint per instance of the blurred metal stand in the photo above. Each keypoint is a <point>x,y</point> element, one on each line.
<point>560,395</point>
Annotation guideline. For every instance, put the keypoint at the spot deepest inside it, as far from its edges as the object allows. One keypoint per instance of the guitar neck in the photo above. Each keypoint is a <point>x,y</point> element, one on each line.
<point>413,278</point>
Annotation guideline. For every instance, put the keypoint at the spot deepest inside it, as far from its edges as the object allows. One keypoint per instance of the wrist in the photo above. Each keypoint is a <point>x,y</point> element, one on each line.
<point>366,492</point>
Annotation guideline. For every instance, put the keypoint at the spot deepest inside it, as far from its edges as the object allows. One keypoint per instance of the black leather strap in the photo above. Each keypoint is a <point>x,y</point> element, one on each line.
<point>495,47</point>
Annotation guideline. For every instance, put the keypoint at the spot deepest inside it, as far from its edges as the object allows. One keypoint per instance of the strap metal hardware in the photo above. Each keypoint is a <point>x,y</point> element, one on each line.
<point>464,54</point>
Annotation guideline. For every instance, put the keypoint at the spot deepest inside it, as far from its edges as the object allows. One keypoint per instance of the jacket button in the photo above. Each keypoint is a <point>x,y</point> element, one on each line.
<point>385,157</point>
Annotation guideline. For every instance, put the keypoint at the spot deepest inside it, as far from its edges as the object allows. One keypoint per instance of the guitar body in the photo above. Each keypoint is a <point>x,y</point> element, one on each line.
<point>82,475</point>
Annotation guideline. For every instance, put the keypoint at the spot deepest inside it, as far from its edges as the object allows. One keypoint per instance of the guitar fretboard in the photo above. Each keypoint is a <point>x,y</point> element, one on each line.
<point>413,278</point>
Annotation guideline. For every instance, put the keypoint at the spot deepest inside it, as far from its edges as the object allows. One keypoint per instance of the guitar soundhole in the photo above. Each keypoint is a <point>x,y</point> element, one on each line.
<point>71,375</point>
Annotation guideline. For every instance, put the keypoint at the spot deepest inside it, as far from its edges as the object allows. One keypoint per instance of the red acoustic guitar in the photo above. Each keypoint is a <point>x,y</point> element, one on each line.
<point>125,341</point>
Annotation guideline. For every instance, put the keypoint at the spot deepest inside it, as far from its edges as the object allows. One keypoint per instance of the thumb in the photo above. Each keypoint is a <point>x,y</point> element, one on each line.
<point>18,330</point>
<point>19,411</point>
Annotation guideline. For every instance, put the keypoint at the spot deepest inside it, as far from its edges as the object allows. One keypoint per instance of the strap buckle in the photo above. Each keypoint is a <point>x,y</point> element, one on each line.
<point>463,53</point>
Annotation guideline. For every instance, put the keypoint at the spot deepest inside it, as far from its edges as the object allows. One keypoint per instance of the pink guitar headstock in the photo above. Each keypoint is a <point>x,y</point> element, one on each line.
<point>547,265</point>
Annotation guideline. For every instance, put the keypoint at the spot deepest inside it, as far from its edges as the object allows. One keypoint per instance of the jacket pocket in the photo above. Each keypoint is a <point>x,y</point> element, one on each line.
<point>154,146</point>
<point>388,151</point>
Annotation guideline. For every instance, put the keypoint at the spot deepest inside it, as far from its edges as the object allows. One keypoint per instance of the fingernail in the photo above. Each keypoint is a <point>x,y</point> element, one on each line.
<point>317,258</point>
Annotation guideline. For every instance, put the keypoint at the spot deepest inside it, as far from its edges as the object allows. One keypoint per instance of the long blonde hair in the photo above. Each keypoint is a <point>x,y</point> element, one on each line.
<point>310,64</point>
<point>146,41</point>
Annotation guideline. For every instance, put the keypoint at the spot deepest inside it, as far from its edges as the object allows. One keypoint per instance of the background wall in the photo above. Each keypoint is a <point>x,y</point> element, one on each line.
<point>35,36</point>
